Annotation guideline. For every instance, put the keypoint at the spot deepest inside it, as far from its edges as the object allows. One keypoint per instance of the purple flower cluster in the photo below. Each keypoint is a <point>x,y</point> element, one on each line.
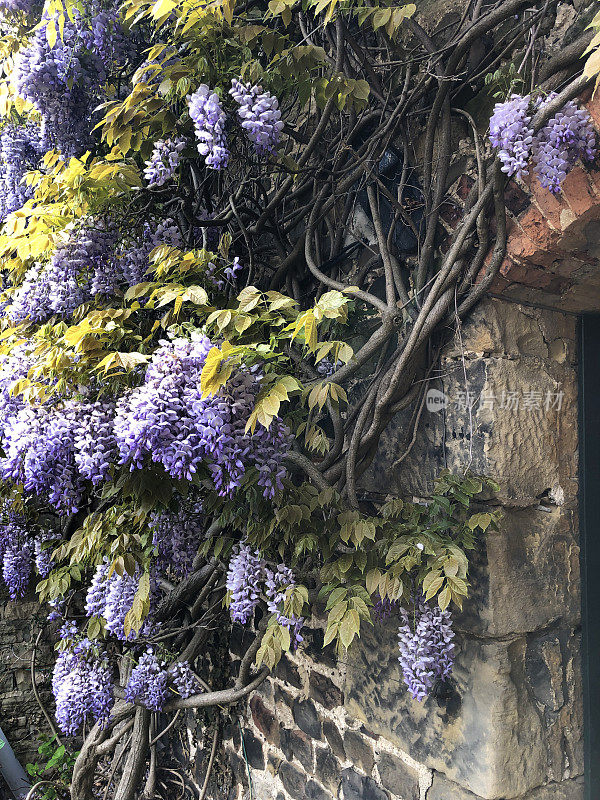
<point>82,685</point>
<point>42,548</point>
<point>164,161</point>
<point>209,122</point>
<point>112,598</point>
<point>566,137</point>
<point>81,268</point>
<point>53,449</point>
<point>168,421</point>
<point>148,683</point>
<point>259,115</point>
<point>19,153</point>
<point>134,256</point>
<point>17,564</point>
<point>183,679</point>
<point>248,575</point>
<point>511,134</point>
<point>244,578</point>
<point>26,6</point>
<point>176,537</point>
<point>384,608</point>
<point>64,82</point>
<point>277,583</point>
<point>426,647</point>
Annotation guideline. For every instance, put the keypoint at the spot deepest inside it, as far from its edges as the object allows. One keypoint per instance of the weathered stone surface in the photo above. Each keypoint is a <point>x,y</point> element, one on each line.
<point>334,739</point>
<point>398,777</point>
<point>288,672</point>
<point>324,691</point>
<point>442,789</point>
<point>307,718</point>
<point>296,744</point>
<point>328,769</point>
<point>359,787</point>
<point>313,647</point>
<point>487,737</point>
<point>293,780</point>
<point>568,790</point>
<point>265,720</point>
<point>528,360</point>
<point>316,792</point>
<point>254,750</point>
<point>359,750</point>
<point>525,575</point>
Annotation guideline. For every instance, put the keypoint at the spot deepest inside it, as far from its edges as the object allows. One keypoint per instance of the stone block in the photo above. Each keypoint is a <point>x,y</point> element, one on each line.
<point>442,789</point>
<point>296,744</point>
<point>288,672</point>
<point>568,790</point>
<point>491,732</point>
<point>294,781</point>
<point>525,575</point>
<point>360,787</point>
<point>324,691</point>
<point>328,770</point>
<point>306,718</point>
<point>316,792</point>
<point>265,720</point>
<point>334,739</point>
<point>530,450</point>
<point>359,750</point>
<point>254,750</point>
<point>398,777</point>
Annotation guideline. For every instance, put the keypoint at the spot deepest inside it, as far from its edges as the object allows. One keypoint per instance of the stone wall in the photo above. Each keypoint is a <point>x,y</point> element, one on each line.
<point>509,723</point>
<point>21,718</point>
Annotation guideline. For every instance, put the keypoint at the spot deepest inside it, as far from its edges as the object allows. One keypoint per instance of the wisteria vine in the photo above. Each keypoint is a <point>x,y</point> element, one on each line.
<point>222,266</point>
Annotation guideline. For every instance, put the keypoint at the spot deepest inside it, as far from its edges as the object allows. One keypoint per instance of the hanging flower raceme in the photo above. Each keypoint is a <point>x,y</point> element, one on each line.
<point>567,136</point>
<point>168,421</point>
<point>248,577</point>
<point>164,161</point>
<point>259,115</point>
<point>209,122</point>
<point>81,683</point>
<point>148,683</point>
<point>244,579</point>
<point>426,646</point>
<point>111,597</point>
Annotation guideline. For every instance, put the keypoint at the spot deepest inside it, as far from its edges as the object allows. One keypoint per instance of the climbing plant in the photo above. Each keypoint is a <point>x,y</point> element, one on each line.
<point>224,274</point>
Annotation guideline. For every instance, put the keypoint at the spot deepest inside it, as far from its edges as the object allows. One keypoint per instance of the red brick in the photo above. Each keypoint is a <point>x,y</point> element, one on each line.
<point>499,285</point>
<point>537,239</point>
<point>578,192</point>
<point>549,204</point>
<point>593,107</point>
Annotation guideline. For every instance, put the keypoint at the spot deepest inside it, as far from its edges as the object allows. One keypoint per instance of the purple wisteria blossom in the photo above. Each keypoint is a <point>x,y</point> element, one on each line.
<point>259,115</point>
<point>277,583</point>
<point>168,421</point>
<point>567,136</point>
<point>512,135</point>
<point>164,161</point>
<point>82,684</point>
<point>244,579</point>
<point>209,123</point>
<point>183,679</point>
<point>148,683</point>
<point>426,647</point>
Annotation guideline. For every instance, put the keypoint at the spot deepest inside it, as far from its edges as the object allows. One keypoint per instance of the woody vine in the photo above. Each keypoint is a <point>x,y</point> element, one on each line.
<point>223,276</point>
